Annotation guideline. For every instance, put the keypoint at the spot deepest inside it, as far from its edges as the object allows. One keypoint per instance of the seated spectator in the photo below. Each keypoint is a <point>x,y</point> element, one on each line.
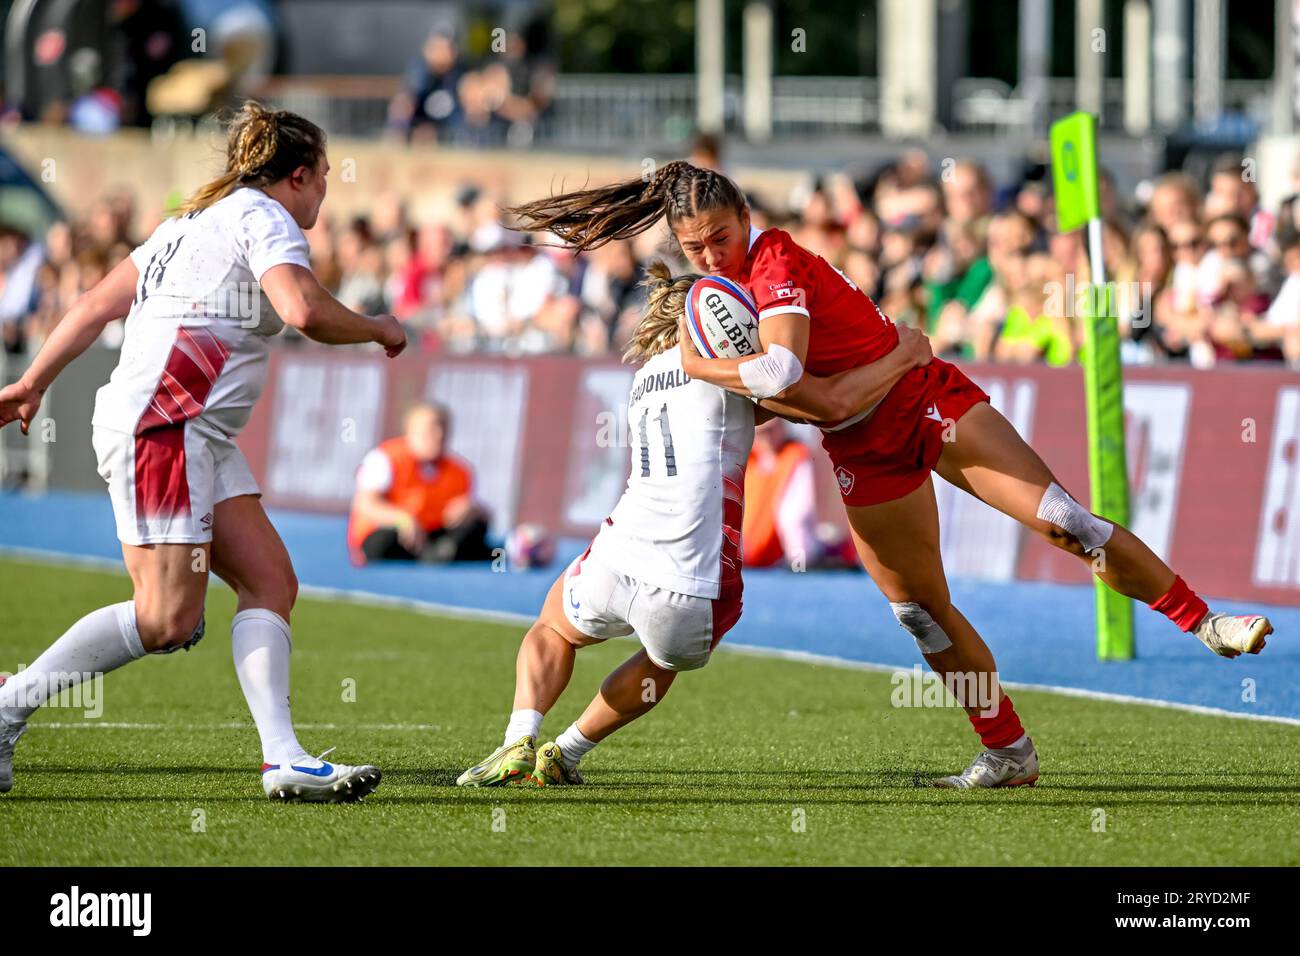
<point>1037,327</point>
<point>1238,305</point>
<point>967,191</point>
<point>427,107</point>
<point>1228,237</point>
<point>1187,246</point>
<point>20,264</point>
<point>972,332</point>
<point>956,270</point>
<point>780,500</point>
<point>1143,341</point>
<point>780,523</point>
<point>414,500</point>
<point>608,291</point>
<point>1276,333</point>
<point>1175,198</point>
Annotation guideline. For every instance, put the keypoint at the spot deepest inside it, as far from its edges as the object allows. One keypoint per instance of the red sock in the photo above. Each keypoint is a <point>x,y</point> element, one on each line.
<point>1181,605</point>
<point>1000,730</point>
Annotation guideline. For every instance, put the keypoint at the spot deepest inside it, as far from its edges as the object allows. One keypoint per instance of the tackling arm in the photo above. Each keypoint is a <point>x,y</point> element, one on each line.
<point>848,393</point>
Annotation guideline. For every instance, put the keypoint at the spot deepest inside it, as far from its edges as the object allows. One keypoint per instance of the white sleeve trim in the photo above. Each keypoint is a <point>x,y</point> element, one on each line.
<point>777,309</point>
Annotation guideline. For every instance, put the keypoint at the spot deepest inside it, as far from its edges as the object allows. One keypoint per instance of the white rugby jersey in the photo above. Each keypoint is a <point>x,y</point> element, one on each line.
<point>196,335</point>
<point>677,525</point>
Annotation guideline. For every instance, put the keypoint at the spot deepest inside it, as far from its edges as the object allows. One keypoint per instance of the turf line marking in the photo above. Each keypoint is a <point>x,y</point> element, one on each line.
<point>91,724</point>
<point>96,563</point>
<point>373,599</point>
<point>808,657</point>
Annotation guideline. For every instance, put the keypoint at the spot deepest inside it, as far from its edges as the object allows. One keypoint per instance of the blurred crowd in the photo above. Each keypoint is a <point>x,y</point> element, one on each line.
<point>1203,274</point>
<point>40,277</point>
<point>443,100</point>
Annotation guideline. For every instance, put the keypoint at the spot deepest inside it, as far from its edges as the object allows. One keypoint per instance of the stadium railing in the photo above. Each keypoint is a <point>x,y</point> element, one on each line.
<point>590,109</point>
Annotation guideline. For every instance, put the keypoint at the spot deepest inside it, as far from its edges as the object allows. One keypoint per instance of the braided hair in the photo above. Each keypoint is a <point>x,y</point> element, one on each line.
<point>589,218</point>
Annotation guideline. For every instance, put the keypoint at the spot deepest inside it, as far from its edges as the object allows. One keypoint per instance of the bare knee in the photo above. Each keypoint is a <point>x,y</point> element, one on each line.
<point>554,632</point>
<point>169,629</point>
<point>653,687</point>
<point>276,592</point>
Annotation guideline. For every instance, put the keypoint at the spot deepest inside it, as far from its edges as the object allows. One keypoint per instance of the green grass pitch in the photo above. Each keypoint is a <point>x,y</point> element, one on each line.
<point>751,761</point>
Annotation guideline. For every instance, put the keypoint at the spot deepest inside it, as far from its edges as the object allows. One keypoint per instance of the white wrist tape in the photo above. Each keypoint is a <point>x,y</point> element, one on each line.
<point>772,372</point>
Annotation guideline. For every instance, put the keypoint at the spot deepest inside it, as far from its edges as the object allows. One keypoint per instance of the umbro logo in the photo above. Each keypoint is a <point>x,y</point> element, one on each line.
<point>206,520</point>
<point>933,413</point>
<point>845,478</point>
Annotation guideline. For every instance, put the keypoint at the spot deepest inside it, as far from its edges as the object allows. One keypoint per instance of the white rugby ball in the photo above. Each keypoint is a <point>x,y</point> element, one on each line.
<point>721,319</point>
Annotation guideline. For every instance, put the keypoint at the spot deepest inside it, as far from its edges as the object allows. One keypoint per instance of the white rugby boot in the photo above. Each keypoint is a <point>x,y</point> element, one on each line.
<point>1230,636</point>
<point>1011,767</point>
<point>312,780</point>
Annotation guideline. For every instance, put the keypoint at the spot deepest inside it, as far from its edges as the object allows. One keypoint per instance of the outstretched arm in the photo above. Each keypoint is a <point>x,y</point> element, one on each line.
<point>302,302</point>
<point>109,299</point>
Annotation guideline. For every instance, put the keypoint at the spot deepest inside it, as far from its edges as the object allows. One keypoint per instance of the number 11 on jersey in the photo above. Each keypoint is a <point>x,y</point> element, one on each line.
<point>666,430</point>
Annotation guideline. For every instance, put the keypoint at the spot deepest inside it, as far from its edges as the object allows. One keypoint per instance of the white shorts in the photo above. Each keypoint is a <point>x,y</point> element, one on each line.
<point>165,482</point>
<point>678,631</point>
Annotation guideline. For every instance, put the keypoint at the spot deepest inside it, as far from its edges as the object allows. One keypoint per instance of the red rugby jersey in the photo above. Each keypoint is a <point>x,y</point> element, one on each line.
<point>846,329</point>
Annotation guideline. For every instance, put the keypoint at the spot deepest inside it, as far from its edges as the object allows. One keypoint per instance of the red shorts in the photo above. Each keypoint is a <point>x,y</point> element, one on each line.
<point>894,451</point>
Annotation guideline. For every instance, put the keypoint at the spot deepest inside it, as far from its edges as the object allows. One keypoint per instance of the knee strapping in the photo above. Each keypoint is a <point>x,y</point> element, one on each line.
<point>930,637</point>
<point>1058,508</point>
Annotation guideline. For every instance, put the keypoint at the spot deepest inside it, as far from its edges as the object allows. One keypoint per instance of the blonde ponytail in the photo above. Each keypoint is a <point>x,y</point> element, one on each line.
<point>665,304</point>
<point>262,147</point>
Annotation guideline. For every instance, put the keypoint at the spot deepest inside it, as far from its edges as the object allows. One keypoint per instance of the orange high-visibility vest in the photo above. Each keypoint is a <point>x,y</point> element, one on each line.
<point>766,477</point>
<point>421,488</point>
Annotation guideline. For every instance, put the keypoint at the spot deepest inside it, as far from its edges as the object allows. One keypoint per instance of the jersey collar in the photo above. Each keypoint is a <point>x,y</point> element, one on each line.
<point>754,233</point>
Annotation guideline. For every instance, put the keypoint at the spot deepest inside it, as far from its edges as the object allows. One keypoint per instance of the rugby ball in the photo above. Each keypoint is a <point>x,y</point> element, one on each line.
<point>721,319</point>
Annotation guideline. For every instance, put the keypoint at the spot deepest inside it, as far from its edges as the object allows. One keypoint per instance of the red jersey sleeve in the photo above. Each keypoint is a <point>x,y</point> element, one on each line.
<point>779,277</point>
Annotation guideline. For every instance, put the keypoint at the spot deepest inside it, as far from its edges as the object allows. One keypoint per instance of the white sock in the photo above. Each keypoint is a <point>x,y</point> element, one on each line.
<point>101,641</point>
<point>573,745</point>
<point>523,723</point>
<point>260,644</point>
<point>1021,743</point>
